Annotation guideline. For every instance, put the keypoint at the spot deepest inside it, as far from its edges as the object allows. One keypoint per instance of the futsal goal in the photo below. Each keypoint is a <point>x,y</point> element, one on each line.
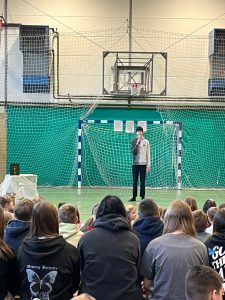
<point>105,159</point>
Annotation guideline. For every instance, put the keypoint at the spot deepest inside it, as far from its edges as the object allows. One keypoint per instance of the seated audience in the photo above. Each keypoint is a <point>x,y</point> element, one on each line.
<point>160,211</point>
<point>163,213</point>
<point>167,258</point>
<point>131,213</point>
<point>203,283</point>
<point>222,205</point>
<point>211,214</point>
<point>61,204</point>
<point>89,224</point>
<point>49,267</point>
<point>7,202</point>
<point>149,225</point>
<point>8,267</point>
<point>68,228</point>
<point>110,255</point>
<point>216,244</point>
<point>200,221</point>
<point>208,203</point>
<point>18,228</point>
<point>191,202</point>
<point>7,217</point>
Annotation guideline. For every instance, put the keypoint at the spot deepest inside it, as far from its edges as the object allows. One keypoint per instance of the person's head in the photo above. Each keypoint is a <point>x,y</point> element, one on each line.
<point>208,203</point>
<point>38,199</point>
<point>94,211</point>
<point>44,220</point>
<point>148,208</point>
<point>68,213</point>
<point>61,204</point>
<point>219,221</point>
<point>200,220</point>
<point>23,209</point>
<point>203,283</point>
<point>1,223</point>
<point>111,205</point>
<point>178,217</point>
<point>191,202</point>
<point>5,251</point>
<point>163,213</point>
<point>131,212</point>
<point>211,213</point>
<point>6,202</point>
<point>12,196</point>
<point>222,205</point>
<point>83,297</point>
<point>7,217</point>
<point>160,211</point>
<point>139,131</point>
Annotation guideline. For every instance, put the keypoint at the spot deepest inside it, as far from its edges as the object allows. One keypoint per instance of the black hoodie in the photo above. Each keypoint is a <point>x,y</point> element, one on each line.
<point>110,255</point>
<point>216,252</point>
<point>49,269</point>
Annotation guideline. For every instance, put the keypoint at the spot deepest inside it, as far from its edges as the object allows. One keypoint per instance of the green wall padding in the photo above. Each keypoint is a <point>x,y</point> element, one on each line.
<point>44,141</point>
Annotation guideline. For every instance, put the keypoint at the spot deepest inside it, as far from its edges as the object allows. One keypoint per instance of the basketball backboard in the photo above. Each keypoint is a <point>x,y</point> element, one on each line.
<point>137,74</point>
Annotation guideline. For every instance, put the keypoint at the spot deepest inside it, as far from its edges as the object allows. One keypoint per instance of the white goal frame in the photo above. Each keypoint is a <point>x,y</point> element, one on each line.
<point>82,123</point>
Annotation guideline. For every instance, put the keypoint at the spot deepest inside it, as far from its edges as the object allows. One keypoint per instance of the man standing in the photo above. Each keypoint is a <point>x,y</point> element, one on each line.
<point>140,149</point>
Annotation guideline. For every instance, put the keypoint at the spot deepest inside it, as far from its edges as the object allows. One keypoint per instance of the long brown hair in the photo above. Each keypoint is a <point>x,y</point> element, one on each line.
<point>191,202</point>
<point>44,220</point>
<point>5,252</point>
<point>179,217</point>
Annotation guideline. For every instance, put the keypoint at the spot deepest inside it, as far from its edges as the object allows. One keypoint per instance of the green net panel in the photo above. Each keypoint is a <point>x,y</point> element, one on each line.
<point>107,160</point>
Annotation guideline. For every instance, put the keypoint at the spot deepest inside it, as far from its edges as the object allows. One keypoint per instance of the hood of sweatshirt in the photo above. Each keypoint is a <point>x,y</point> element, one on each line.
<point>112,222</point>
<point>16,228</point>
<point>68,230</point>
<point>41,249</point>
<point>148,226</point>
<point>217,238</point>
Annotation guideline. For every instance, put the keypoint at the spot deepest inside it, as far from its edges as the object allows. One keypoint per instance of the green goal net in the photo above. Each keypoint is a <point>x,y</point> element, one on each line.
<point>106,157</point>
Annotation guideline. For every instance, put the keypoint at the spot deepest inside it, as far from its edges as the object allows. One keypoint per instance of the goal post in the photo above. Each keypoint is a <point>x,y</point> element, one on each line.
<point>104,157</point>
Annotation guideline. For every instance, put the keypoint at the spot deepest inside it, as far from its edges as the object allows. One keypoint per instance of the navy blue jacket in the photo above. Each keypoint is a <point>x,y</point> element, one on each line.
<point>15,233</point>
<point>147,229</point>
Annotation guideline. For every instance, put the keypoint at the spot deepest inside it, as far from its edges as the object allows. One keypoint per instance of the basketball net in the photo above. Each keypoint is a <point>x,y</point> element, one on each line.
<point>135,89</point>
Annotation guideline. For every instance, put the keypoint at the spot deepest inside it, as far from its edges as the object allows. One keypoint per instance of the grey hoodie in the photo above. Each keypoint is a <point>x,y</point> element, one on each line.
<point>141,152</point>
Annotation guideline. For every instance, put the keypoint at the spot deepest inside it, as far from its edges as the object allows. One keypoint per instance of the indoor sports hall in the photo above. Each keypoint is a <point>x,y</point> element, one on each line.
<point>77,78</point>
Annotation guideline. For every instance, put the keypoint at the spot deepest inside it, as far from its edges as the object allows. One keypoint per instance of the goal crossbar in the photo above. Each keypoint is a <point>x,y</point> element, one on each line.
<point>178,125</point>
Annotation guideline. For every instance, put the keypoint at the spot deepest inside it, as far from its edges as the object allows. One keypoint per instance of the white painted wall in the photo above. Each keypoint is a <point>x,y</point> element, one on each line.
<point>183,16</point>
<point>89,26</point>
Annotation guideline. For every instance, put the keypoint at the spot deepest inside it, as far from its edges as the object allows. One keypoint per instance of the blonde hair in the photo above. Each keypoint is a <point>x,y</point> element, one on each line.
<point>130,207</point>
<point>179,217</point>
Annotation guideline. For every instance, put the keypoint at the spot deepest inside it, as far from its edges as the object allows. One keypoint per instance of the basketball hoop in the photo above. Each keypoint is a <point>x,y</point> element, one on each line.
<point>135,89</point>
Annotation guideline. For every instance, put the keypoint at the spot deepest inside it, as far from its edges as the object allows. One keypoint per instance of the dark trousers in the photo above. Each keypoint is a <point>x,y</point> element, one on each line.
<point>136,170</point>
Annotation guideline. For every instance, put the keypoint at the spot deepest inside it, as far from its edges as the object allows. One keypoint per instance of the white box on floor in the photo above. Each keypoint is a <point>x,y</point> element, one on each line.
<point>24,185</point>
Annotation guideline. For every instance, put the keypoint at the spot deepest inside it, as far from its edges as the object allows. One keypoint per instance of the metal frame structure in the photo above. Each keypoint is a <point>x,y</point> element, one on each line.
<point>134,65</point>
<point>81,123</point>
